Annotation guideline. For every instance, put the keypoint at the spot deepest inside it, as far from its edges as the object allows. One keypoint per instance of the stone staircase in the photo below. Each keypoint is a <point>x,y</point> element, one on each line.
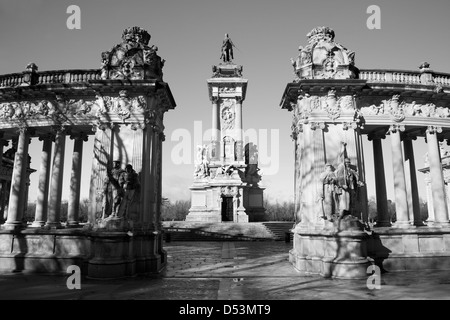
<point>226,231</point>
<point>279,229</point>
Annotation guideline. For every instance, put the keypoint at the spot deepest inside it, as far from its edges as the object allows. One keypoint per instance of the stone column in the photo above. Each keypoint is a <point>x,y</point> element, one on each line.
<point>75,180</point>
<point>149,159</point>
<point>437,178</point>
<point>54,203</point>
<point>103,145</point>
<point>318,167</point>
<point>411,180</point>
<point>161,139</point>
<point>430,220</point>
<point>401,196</point>
<point>383,219</point>
<point>18,182</point>
<point>40,216</point>
<point>239,130</point>
<point>138,165</point>
<point>215,135</point>
<point>3,143</point>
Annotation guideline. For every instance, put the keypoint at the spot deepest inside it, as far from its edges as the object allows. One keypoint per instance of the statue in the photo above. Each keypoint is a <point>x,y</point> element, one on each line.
<point>113,189</point>
<point>227,49</point>
<point>347,187</point>
<point>328,192</point>
<point>202,166</point>
<point>130,186</point>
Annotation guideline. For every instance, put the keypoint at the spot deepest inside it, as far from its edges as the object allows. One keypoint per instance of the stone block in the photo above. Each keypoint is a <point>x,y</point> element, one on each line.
<point>410,243</point>
<point>431,243</point>
<point>72,246</point>
<point>447,243</point>
<point>393,243</point>
<point>6,241</point>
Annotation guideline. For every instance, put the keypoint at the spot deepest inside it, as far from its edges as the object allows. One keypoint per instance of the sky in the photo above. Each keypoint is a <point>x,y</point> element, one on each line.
<point>189,35</point>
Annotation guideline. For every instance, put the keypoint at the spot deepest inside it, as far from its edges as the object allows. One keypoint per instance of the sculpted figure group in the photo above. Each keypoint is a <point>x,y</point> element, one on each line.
<point>119,190</point>
<point>339,194</point>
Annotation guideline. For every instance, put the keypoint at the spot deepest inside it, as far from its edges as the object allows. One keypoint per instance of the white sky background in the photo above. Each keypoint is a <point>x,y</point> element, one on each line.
<point>189,34</point>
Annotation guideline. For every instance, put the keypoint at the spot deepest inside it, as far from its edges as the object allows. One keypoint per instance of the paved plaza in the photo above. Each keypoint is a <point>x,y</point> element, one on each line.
<point>228,271</point>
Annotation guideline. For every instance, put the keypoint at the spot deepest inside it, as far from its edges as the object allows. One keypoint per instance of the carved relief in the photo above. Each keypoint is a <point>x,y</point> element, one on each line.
<point>227,114</point>
<point>323,58</point>
<point>398,111</point>
<point>332,107</point>
<point>133,58</point>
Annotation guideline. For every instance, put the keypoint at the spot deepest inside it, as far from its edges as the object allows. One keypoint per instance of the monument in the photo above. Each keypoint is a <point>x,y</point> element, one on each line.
<point>334,106</point>
<point>121,106</point>
<point>226,176</point>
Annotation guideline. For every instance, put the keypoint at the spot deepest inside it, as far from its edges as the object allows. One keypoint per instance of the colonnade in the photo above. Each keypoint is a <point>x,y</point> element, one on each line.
<point>50,187</point>
<point>405,178</point>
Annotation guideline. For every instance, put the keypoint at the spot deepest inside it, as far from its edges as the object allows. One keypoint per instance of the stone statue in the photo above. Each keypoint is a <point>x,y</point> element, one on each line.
<point>227,49</point>
<point>130,186</point>
<point>202,166</point>
<point>116,182</point>
<point>347,187</point>
<point>328,192</point>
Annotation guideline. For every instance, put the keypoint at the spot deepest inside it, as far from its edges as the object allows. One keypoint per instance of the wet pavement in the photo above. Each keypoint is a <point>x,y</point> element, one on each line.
<point>228,271</point>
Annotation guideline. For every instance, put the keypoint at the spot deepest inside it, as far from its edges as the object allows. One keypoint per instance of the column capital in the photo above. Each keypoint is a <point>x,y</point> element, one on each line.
<point>79,136</point>
<point>215,99</point>
<point>408,136</point>
<point>317,125</point>
<point>48,136</point>
<point>395,127</point>
<point>433,130</point>
<point>60,129</point>
<point>350,125</point>
<point>239,99</point>
<point>137,126</point>
<point>374,135</point>
<point>102,126</point>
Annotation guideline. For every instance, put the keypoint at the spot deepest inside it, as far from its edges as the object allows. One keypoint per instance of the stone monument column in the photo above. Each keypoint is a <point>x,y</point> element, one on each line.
<point>18,182</point>
<point>239,130</point>
<point>40,217</point>
<point>436,175</point>
<point>54,203</point>
<point>401,196</point>
<point>75,181</point>
<point>215,135</point>
<point>383,219</point>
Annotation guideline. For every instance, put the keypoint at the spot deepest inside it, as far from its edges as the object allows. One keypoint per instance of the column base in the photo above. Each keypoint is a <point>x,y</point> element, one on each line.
<point>402,225</point>
<point>53,225</point>
<point>13,225</point>
<point>383,224</point>
<point>73,224</point>
<point>37,224</point>
<point>419,224</point>
<point>445,224</point>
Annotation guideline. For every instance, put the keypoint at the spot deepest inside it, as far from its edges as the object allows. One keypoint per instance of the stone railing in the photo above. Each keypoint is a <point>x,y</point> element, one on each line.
<point>48,77</point>
<point>407,77</point>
